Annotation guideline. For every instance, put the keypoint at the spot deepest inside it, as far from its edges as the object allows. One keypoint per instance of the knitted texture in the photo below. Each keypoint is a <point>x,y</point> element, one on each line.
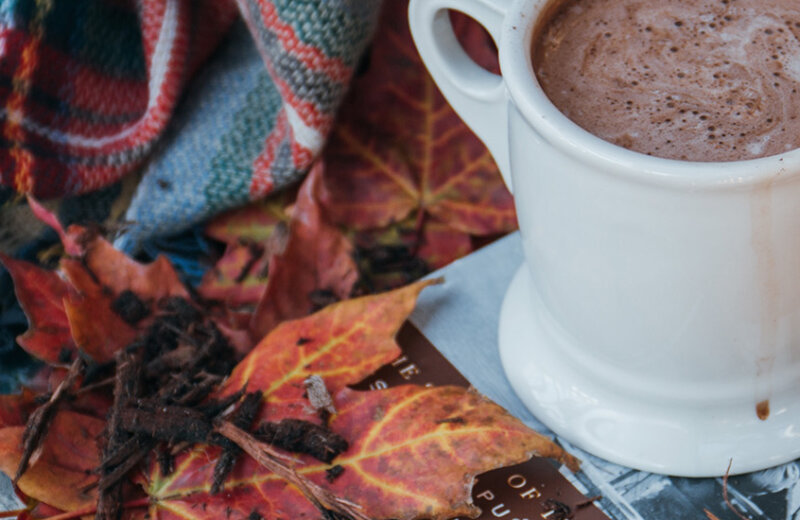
<point>87,88</point>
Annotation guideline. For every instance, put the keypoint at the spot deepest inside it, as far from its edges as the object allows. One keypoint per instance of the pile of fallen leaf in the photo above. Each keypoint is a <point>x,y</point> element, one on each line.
<point>232,399</point>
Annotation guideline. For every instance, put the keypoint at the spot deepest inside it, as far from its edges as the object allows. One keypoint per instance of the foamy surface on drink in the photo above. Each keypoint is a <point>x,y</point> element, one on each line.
<point>682,79</point>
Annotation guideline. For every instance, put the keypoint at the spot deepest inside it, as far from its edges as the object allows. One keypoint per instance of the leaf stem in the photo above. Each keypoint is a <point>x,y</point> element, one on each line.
<point>419,227</point>
<point>12,514</point>
<point>133,504</point>
<point>265,455</point>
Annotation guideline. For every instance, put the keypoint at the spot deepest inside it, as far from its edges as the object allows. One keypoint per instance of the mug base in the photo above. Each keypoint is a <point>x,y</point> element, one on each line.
<point>697,439</point>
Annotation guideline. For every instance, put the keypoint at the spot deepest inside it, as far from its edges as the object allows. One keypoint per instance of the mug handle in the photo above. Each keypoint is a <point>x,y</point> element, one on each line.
<point>478,95</point>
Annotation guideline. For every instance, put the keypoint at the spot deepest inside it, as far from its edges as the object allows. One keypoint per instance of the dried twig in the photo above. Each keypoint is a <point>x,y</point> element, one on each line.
<point>39,420</point>
<point>165,423</point>
<point>299,436</point>
<point>113,475</point>
<point>242,418</point>
<point>588,502</point>
<point>94,386</point>
<point>166,462</point>
<point>126,386</point>
<point>725,493</point>
<point>323,499</point>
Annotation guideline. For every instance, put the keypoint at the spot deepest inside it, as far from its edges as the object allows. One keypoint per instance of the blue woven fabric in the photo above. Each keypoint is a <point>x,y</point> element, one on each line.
<point>247,129</point>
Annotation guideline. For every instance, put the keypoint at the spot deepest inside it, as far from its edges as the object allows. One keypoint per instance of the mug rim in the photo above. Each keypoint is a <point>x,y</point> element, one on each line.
<point>555,127</point>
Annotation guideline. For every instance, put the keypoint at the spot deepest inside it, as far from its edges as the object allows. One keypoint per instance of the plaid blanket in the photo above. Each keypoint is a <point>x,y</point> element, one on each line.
<point>88,87</point>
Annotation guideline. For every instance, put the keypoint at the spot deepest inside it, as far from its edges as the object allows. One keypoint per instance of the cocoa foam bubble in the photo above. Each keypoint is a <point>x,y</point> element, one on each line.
<point>681,79</point>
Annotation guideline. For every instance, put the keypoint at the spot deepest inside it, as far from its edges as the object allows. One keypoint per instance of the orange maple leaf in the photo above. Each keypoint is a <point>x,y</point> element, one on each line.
<point>40,293</point>
<point>62,474</point>
<point>96,329</point>
<point>343,343</point>
<point>74,310</point>
<point>117,272</point>
<point>414,451</point>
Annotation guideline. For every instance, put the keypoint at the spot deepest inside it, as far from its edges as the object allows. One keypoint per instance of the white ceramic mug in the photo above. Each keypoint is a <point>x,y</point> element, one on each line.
<point>659,306</point>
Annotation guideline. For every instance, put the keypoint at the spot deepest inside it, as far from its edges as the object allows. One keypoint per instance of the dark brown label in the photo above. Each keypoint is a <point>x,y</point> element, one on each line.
<point>532,490</point>
<point>420,364</point>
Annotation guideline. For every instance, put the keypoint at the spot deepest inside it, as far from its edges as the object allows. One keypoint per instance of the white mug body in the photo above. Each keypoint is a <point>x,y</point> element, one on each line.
<point>667,292</point>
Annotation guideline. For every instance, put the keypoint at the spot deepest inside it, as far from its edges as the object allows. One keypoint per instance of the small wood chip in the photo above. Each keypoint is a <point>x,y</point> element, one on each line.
<point>318,394</point>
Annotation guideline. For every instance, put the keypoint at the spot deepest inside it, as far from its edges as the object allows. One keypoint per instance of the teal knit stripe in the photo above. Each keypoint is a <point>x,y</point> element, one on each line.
<point>333,27</point>
<point>231,168</point>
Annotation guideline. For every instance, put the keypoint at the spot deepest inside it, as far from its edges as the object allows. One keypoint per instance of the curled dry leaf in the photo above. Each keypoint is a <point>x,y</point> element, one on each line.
<point>240,277</point>
<point>70,239</point>
<point>96,329</point>
<point>233,324</point>
<point>317,257</point>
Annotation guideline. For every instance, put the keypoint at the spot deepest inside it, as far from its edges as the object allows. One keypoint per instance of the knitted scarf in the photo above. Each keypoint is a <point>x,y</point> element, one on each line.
<point>218,102</point>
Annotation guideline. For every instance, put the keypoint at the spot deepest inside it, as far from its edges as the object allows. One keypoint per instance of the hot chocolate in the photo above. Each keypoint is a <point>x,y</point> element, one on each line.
<point>700,80</point>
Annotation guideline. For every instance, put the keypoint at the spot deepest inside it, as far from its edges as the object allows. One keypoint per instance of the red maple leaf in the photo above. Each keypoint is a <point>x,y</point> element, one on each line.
<point>41,294</point>
<point>317,257</point>
<point>400,151</point>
